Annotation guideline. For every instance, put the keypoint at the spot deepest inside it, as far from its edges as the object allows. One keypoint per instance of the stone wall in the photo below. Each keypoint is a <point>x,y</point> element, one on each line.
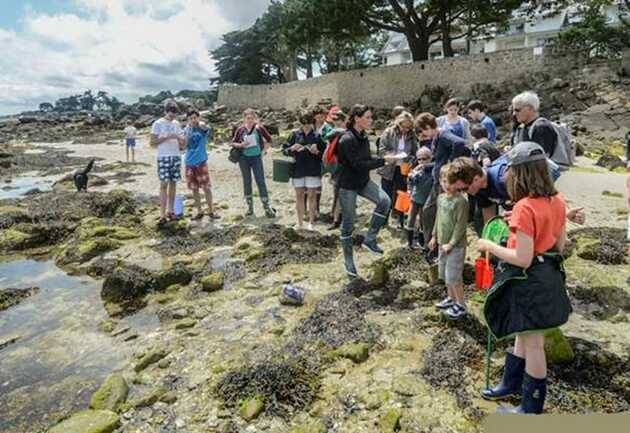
<point>384,87</point>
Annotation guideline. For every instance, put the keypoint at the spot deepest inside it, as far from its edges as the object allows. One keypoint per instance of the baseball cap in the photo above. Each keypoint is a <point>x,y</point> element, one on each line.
<point>526,151</point>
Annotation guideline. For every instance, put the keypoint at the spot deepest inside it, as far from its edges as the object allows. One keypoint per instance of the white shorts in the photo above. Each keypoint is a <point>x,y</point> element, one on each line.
<point>307,182</point>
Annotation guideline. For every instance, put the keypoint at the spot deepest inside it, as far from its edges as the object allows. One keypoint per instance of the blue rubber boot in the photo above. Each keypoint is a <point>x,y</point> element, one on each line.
<point>533,401</point>
<point>512,382</point>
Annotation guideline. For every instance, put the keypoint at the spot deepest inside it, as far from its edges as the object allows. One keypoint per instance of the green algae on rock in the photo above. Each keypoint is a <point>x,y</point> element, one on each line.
<point>356,352</point>
<point>150,358</point>
<point>212,282</point>
<point>557,348</point>
<point>178,274</point>
<point>88,421</point>
<point>111,395</point>
<point>389,421</point>
<point>252,407</point>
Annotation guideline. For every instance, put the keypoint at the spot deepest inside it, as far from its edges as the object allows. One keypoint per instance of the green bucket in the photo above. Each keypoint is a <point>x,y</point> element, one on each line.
<point>282,170</point>
<point>496,230</point>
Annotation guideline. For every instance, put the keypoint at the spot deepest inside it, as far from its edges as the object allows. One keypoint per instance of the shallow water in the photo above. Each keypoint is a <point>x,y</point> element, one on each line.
<point>61,355</point>
<point>19,186</point>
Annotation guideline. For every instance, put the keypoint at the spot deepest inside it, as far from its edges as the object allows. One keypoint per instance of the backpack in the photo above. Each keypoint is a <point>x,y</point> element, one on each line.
<point>565,152</point>
<point>329,158</point>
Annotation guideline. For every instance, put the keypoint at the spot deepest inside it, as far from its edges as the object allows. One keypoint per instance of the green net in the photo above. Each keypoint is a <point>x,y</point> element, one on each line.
<point>496,230</point>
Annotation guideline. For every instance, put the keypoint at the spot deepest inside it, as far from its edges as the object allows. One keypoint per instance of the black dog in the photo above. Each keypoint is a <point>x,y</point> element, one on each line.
<point>81,177</point>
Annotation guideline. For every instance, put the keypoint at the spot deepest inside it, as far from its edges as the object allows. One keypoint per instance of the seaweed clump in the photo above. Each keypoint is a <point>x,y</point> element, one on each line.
<point>604,245</point>
<point>596,381</point>
<point>283,246</point>
<point>338,318</point>
<point>285,385</point>
<point>444,364</point>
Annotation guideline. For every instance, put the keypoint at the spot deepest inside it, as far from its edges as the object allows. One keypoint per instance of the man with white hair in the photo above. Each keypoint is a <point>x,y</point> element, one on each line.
<point>526,106</point>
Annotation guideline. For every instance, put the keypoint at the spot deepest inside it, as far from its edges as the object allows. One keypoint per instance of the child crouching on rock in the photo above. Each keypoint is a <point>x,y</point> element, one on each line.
<point>528,295</point>
<point>449,234</point>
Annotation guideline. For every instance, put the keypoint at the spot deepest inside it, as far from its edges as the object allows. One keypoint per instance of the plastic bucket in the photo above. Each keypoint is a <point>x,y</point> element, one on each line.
<point>178,205</point>
<point>403,201</point>
<point>404,168</point>
<point>282,170</point>
<point>484,274</point>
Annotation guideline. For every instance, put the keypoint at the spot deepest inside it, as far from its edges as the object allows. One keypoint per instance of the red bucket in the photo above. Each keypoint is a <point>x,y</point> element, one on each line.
<point>484,274</point>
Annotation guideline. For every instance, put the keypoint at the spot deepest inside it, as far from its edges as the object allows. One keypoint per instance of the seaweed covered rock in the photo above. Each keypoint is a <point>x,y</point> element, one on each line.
<point>557,348</point>
<point>356,352</point>
<point>11,215</point>
<point>337,319</point>
<point>600,302</point>
<point>111,395</point>
<point>177,274</point>
<point>11,297</point>
<point>252,407</point>
<point>88,421</point>
<point>127,283</point>
<point>604,245</point>
<point>86,250</point>
<point>212,282</point>
<point>610,161</point>
<point>444,363</point>
<point>282,385</point>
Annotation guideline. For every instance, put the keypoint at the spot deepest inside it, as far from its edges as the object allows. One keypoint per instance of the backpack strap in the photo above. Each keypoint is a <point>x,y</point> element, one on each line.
<point>530,131</point>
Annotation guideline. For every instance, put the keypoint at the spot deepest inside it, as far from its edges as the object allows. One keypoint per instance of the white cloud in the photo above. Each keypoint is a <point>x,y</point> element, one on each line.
<point>126,47</point>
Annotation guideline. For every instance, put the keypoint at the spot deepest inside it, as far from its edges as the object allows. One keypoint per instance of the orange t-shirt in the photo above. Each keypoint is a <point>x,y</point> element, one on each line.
<point>541,218</point>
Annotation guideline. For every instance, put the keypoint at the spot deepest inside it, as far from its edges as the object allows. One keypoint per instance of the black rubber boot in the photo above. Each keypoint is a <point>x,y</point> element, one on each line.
<point>512,381</point>
<point>533,400</point>
<point>410,240</point>
<point>421,239</point>
<point>269,211</point>
<point>250,206</point>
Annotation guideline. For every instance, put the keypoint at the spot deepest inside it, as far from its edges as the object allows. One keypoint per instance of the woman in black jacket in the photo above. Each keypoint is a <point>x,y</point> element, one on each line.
<point>306,147</point>
<point>355,162</point>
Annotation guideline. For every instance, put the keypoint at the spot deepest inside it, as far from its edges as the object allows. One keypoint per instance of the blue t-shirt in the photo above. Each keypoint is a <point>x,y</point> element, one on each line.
<point>196,145</point>
<point>496,191</point>
<point>488,123</point>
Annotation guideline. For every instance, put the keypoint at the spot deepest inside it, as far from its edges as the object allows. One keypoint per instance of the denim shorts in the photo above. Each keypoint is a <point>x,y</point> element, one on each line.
<point>131,142</point>
<point>169,168</point>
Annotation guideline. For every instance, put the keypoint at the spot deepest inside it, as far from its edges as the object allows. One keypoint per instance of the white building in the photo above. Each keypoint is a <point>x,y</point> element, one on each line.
<point>540,29</point>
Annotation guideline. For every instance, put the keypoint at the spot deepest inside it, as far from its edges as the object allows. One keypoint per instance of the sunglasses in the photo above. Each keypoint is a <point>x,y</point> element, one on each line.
<point>424,159</point>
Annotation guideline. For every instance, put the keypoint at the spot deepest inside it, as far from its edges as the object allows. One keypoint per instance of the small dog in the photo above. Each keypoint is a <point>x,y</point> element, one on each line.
<point>81,177</point>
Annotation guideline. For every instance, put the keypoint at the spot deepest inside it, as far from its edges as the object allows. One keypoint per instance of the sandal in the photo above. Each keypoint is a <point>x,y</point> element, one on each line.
<point>162,221</point>
<point>197,217</point>
<point>172,217</point>
<point>214,216</point>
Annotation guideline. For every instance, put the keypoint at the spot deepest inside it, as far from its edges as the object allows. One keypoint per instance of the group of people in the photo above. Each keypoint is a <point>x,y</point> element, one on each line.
<point>454,174</point>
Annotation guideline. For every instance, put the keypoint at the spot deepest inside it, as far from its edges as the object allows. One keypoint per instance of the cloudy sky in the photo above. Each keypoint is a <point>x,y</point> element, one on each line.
<point>53,48</point>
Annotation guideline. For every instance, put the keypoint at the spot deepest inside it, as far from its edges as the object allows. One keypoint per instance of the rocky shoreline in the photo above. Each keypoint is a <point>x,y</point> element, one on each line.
<point>227,356</point>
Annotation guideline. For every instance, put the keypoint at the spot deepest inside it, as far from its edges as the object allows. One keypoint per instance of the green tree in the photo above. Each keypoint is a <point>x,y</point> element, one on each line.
<point>46,107</point>
<point>87,101</point>
<point>593,34</point>
<point>70,103</point>
<point>425,22</point>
